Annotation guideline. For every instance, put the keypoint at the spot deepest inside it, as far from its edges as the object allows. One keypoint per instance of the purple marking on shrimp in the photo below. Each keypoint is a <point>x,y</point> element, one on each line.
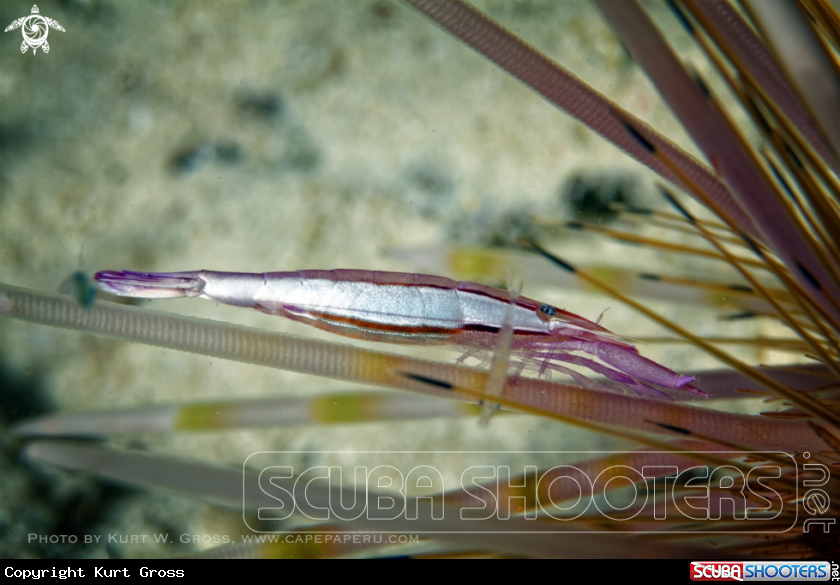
<point>160,285</point>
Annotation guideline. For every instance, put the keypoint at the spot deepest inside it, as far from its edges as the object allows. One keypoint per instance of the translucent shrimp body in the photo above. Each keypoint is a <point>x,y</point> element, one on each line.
<point>415,309</point>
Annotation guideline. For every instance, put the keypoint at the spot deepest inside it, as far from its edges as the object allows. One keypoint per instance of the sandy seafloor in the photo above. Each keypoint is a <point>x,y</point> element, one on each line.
<point>266,136</point>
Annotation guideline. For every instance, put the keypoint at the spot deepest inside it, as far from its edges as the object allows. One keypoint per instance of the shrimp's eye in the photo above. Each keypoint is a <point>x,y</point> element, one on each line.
<point>547,310</point>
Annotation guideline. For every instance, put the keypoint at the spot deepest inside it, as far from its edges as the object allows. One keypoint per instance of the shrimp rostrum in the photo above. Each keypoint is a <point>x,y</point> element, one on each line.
<point>419,309</point>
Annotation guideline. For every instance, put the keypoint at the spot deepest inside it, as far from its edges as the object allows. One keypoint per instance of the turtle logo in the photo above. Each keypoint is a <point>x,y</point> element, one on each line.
<point>35,29</point>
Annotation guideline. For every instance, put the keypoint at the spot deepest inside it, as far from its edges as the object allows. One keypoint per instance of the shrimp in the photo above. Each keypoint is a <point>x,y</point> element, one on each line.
<point>396,307</point>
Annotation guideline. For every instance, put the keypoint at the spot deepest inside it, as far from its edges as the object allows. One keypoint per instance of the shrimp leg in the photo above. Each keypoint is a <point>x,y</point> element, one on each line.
<point>638,386</point>
<point>501,354</point>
